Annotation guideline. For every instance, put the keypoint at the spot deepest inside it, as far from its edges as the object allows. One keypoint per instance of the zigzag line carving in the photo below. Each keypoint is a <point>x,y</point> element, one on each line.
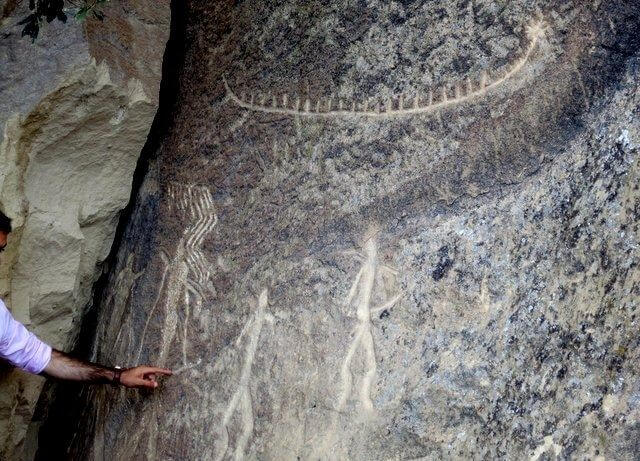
<point>186,274</point>
<point>196,202</point>
<point>435,99</point>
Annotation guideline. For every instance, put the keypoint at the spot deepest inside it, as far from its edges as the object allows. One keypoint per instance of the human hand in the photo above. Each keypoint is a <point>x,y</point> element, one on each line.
<point>142,377</point>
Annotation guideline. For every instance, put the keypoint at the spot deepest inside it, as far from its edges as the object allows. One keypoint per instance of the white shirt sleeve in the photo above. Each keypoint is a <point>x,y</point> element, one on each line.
<point>21,347</point>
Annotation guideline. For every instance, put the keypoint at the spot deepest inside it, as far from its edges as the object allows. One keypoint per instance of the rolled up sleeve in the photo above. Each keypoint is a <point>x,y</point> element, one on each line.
<point>21,347</point>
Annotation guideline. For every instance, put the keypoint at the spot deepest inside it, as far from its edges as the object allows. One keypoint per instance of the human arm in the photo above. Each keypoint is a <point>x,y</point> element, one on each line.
<point>23,349</point>
<point>63,366</point>
<point>19,346</point>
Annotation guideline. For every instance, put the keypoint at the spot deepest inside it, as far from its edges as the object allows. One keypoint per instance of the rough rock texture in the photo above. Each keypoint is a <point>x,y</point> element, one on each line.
<point>385,230</point>
<point>73,121</point>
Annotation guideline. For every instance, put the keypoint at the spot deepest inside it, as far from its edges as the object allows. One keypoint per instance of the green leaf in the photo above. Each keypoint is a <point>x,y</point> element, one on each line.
<point>81,15</point>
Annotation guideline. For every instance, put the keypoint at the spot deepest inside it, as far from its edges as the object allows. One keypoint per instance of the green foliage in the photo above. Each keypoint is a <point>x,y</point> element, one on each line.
<point>55,9</point>
<point>91,8</point>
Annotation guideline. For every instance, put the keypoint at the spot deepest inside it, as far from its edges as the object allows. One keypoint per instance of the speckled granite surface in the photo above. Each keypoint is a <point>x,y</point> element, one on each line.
<point>386,230</point>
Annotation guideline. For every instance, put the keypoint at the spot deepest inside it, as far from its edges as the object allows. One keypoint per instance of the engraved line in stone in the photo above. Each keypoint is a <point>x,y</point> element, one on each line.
<point>186,367</point>
<point>242,396</point>
<point>535,33</point>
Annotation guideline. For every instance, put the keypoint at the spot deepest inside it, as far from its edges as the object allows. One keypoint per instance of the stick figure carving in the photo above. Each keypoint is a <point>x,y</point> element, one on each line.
<point>361,292</point>
<point>360,297</point>
<point>241,399</point>
<point>186,275</point>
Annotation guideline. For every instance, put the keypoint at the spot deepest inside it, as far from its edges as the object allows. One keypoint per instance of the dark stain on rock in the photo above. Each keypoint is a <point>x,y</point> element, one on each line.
<point>444,264</point>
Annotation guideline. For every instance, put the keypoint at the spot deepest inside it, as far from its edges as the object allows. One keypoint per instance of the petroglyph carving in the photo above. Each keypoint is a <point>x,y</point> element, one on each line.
<point>461,93</point>
<point>196,202</point>
<point>191,366</point>
<point>241,399</point>
<point>123,286</point>
<point>360,295</point>
<point>186,275</point>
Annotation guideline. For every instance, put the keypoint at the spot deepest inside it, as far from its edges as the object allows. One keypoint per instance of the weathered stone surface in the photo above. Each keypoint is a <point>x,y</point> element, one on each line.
<point>72,125</point>
<point>452,279</point>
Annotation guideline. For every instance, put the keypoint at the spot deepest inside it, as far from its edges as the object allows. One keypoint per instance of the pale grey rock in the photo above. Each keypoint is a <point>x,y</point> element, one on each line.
<point>72,126</point>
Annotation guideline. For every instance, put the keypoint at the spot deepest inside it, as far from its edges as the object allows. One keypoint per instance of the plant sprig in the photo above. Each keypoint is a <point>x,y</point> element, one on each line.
<point>54,9</point>
<point>82,13</point>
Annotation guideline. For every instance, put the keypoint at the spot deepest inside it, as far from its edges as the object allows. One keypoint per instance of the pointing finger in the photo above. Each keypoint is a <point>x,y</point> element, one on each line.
<point>160,371</point>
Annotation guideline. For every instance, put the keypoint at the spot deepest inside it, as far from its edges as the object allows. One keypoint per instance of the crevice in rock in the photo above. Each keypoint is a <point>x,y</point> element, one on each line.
<point>61,404</point>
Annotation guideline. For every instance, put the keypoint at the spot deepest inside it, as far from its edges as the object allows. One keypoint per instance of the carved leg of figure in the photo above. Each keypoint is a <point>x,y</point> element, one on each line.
<point>175,290</point>
<point>365,389</point>
<point>224,445</point>
<point>247,424</point>
<point>346,377</point>
<point>191,296</point>
<point>185,327</point>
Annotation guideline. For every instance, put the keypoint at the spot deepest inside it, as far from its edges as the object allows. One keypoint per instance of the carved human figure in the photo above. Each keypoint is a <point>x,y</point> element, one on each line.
<point>241,399</point>
<point>186,275</point>
<point>361,292</point>
<point>184,283</point>
<point>359,297</point>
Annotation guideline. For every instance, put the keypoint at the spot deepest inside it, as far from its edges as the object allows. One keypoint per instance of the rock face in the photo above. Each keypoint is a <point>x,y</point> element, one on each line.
<point>73,121</point>
<point>385,230</point>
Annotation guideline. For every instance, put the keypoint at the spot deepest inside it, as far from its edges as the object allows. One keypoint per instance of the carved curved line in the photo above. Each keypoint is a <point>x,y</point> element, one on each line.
<point>155,305</point>
<point>535,31</point>
<point>224,433</point>
<point>242,395</point>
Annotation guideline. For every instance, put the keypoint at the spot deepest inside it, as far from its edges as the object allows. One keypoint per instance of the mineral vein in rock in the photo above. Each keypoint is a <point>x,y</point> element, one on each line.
<point>435,100</point>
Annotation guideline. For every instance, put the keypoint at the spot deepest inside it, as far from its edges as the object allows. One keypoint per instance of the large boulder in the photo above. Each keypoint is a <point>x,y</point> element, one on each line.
<point>75,111</point>
<point>384,230</point>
